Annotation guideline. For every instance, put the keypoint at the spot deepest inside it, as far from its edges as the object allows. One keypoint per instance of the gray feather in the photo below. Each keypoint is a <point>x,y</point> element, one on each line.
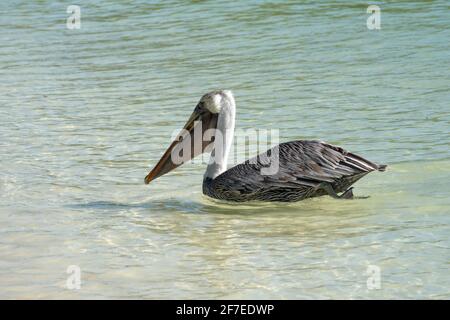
<point>303,166</point>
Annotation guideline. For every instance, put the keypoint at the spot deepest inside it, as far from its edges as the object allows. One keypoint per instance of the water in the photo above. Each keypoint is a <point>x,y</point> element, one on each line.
<point>86,113</point>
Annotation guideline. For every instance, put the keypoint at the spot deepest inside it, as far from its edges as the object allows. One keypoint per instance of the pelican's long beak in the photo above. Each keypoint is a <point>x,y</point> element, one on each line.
<point>188,144</point>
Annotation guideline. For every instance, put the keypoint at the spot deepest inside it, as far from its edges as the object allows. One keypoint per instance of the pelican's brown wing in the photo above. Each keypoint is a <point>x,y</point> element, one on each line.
<point>303,166</point>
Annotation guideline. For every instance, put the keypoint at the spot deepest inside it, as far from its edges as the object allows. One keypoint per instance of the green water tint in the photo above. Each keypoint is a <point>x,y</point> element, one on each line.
<point>85,113</point>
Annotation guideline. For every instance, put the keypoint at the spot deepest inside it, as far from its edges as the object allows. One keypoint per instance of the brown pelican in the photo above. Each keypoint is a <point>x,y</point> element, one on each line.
<point>304,169</point>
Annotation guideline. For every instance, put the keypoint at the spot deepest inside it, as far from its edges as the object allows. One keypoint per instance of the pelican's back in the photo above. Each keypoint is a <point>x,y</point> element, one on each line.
<point>304,166</point>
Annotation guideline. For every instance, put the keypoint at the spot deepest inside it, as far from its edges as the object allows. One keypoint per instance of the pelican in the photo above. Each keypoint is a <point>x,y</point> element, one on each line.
<point>304,168</point>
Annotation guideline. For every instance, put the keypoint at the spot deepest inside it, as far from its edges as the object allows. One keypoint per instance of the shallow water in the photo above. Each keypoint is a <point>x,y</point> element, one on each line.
<point>86,113</point>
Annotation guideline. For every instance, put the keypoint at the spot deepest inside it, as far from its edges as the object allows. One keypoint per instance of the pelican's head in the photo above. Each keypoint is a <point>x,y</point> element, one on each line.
<point>216,100</point>
<point>190,141</point>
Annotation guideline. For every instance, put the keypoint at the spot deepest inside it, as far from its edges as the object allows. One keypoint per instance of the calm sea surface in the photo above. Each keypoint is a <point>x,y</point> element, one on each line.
<point>84,114</point>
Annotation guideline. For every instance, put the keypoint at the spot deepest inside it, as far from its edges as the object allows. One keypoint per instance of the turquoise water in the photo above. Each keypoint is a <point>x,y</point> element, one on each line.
<point>86,113</point>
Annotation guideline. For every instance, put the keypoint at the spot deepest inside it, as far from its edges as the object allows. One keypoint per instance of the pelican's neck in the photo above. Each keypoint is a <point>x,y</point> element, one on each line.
<point>222,142</point>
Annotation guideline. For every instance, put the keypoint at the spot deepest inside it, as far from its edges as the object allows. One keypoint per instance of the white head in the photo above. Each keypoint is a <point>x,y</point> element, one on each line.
<point>216,100</point>
<point>215,110</point>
